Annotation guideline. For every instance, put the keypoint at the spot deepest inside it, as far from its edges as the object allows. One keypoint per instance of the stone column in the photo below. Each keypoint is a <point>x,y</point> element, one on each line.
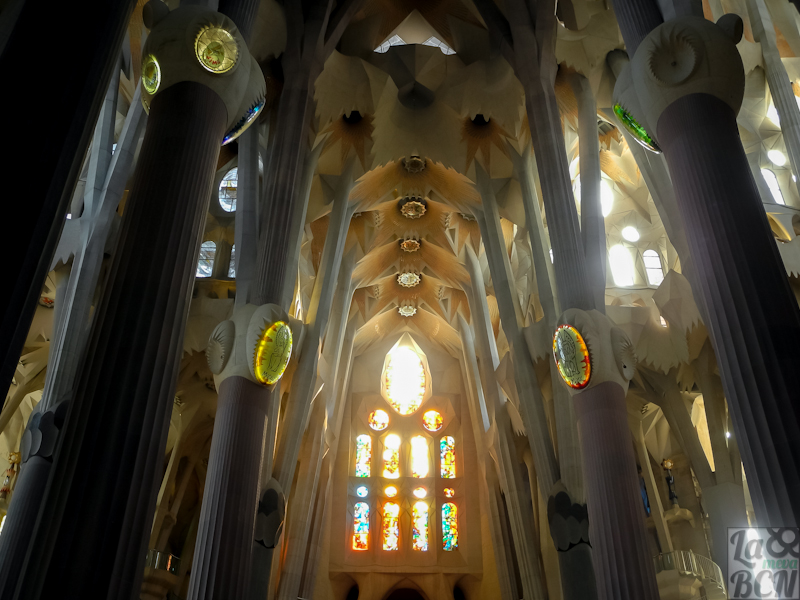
<point>51,178</point>
<point>593,226</point>
<point>623,566</point>
<point>135,350</point>
<point>222,558</point>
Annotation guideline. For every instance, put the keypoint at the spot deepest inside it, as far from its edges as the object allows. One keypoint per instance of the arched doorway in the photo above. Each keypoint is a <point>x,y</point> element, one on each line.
<point>405,594</point>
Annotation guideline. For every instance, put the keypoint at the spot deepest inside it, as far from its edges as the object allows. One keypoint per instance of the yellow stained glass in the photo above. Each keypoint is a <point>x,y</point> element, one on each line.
<point>391,526</point>
<point>419,527</point>
<point>419,456</point>
<point>361,526</point>
<point>420,492</point>
<point>572,357</point>
<point>363,455</point>
<point>447,446</point>
<point>405,380</point>
<point>378,420</point>
<point>391,456</point>
<point>151,74</point>
<point>449,492</point>
<point>432,420</point>
<point>216,49</point>
<point>272,353</point>
<point>390,491</point>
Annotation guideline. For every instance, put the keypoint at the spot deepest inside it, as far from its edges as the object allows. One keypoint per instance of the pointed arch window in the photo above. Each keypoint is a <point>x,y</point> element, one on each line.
<point>652,265</point>
<point>363,455</point>
<point>205,264</point>
<point>621,263</point>
<point>361,526</point>
<point>772,184</point>
<point>405,379</point>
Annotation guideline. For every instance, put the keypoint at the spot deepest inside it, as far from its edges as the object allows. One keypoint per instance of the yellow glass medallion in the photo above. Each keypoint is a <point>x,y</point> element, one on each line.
<point>273,352</point>
<point>151,74</point>
<point>216,49</point>
<point>572,357</point>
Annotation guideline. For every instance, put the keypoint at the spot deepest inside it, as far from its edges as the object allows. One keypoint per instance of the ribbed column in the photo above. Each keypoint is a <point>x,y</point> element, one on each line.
<point>223,551</point>
<point>241,12</point>
<point>101,496</point>
<point>593,226</point>
<point>753,318</point>
<point>636,19</point>
<point>622,561</point>
<point>20,519</point>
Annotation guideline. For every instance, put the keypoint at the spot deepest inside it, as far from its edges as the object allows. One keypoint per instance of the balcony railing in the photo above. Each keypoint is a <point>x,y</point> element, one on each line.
<point>687,562</point>
<point>163,561</point>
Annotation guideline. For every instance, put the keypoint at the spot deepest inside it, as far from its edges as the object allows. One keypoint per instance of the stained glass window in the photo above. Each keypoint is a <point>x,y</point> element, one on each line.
<point>391,456</point>
<point>420,492</point>
<point>419,456</point>
<point>432,420</point>
<point>361,526</point>
<point>205,264</point>
<point>390,491</point>
<point>232,264</point>
<point>227,190</point>
<point>363,455</point>
<point>449,526</point>
<point>391,526</point>
<point>448,455</point>
<point>362,491</point>
<point>405,380</point>
<point>419,527</point>
<point>378,420</point>
<point>449,492</point>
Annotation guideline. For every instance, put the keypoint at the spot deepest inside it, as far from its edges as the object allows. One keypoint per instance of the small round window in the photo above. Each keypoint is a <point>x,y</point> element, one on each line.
<point>227,190</point>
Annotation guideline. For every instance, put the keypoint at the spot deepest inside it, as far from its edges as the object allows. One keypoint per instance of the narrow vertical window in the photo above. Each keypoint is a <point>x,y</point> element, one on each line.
<point>447,448</point>
<point>419,529</point>
<point>363,455</point>
<point>232,264</point>
<point>621,264</point>
<point>361,526</point>
<point>449,526</point>
<point>227,190</point>
<point>652,265</point>
<point>391,456</point>
<point>391,526</point>
<point>205,264</point>
<point>419,456</point>
<point>774,187</point>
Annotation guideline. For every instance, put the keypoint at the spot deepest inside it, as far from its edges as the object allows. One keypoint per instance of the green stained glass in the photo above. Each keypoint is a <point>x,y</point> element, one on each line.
<point>447,447</point>
<point>635,129</point>
<point>449,526</point>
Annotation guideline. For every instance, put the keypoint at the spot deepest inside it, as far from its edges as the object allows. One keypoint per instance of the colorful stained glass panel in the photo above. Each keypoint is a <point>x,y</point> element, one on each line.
<point>391,456</point>
<point>449,526</point>
<point>447,447</point>
<point>363,455</point>
<point>449,492</point>
<point>419,527</point>
<point>378,420</point>
<point>391,526</point>
<point>361,526</point>
<point>419,456</point>
<point>432,420</point>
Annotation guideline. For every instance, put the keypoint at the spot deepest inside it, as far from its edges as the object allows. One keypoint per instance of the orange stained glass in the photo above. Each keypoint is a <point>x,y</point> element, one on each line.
<point>420,492</point>
<point>378,420</point>
<point>432,420</point>
<point>391,526</point>
<point>361,526</point>
<point>405,380</point>
<point>447,447</point>
<point>391,456</point>
<point>419,527</point>
<point>449,492</point>
<point>419,456</point>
